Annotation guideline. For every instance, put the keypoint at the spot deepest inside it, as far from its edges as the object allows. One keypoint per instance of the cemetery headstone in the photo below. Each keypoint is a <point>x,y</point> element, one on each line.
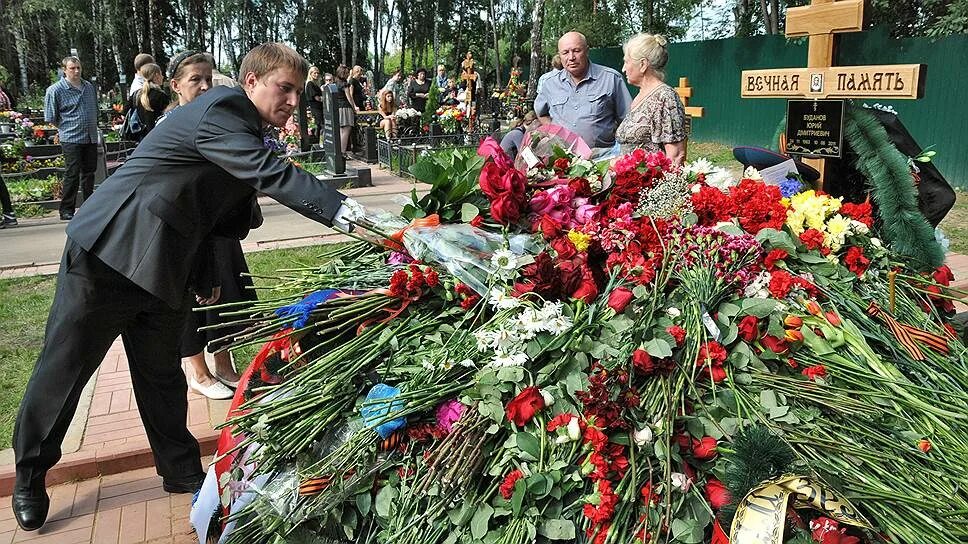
<point>332,147</point>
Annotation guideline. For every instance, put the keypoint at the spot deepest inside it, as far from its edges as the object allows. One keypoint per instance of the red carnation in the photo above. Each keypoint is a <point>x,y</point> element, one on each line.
<point>812,238</point>
<point>606,500</point>
<point>477,221</point>
<point>678,333</point>
<point>619,299</point>
<point>717,374</point>
<point>507,486</point>
<point>717,494</point>
<point>772,257</point>
<point>560,420</point>
<point>856,261</point>
<point>432,278</point>
<point>712,205</point>
<point>522,408</point>
<point>859,212</point>
<point>704,448</point>
<point>711,352</point>
<point>828,531</point>
<point>814,372</point>
<point>749,328</point>
<point>780,284</point>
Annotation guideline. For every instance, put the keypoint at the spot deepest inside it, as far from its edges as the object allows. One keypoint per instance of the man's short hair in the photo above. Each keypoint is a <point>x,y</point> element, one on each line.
<point>69,59</point>
<point>141,59</point>
<point>264,59</point>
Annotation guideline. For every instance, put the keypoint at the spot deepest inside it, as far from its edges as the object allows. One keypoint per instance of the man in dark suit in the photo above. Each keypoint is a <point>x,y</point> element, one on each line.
<point>136,250</point>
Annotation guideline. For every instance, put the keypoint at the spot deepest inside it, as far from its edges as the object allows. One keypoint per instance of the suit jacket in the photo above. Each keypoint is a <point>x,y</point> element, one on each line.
<point>193,177</point>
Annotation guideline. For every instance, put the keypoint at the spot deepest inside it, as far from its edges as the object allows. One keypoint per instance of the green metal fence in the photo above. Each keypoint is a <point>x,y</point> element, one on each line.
<point>713,67</point>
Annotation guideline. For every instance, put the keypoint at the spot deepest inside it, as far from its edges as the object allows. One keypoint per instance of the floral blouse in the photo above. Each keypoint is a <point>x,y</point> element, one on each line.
<point>658,119</point>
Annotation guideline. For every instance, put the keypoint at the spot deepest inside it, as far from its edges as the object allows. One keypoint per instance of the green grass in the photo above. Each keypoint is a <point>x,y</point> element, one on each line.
<point>25,303</point>
<point>955,224</point>
<point>716,153</point>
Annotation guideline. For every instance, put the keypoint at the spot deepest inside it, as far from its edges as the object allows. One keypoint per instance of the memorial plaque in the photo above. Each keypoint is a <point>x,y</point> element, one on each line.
<point>815,128</point>
<point>332,147</point>
<point>903,81</point>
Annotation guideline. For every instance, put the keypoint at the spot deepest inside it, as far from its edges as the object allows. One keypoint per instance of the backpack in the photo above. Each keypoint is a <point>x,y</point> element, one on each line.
<point>133,127</point>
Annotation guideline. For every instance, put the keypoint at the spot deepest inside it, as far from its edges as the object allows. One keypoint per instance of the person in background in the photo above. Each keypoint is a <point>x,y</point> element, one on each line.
<point>387,107</point>
<point>419,90</point>
<point>229,262</point>
<point>313,95</point>
<point>6,98</point>
<point>150,102</point>
<point>585,98</point>
<point>555,68</point>
<point>220,79</point>
<point>344,105</point>
<point>511,143</point>
<point>357,94</point>
<point>656,120</point>
<point>71,106</point>
<point>139,60</point>
<point>441,80</point>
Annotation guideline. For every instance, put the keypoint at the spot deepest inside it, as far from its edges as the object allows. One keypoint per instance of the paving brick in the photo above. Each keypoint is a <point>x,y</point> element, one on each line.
<point>120,401</point>
<point>158,519</point>
<point>100,404</point>
<point>132,498</point>
<point>132,528</point>
<point>106,525</point>
<point>8,525</point>
<point>62,527</point>
<point>61,501</point>
<point>117,417</point>
<point>86,497</point>
<point>7,537</point>
<point>75,536</point>
<point>108,491</point>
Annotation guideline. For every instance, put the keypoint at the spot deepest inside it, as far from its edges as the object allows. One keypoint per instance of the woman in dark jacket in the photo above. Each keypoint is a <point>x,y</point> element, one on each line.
<point>149,104</point>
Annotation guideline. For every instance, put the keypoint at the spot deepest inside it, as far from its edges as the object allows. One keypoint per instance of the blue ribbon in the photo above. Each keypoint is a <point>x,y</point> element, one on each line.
<point>305,306</point>
<point>374,411</point>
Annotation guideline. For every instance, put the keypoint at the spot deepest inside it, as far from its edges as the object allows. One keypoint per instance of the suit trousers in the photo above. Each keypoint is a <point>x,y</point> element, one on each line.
<point>80,162</point>
<point>93,304</point>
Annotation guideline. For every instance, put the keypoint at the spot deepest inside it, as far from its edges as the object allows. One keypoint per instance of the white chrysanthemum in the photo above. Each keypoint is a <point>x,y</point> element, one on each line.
<point>672,311</point>
<point>467,363</point>
<point>485,339</point>
<point>503,259</point>
<point>759,287</point>
<point>550,310</point>
<point>858,228</point>
<point>558,325</point>
<point>699,166</point>
<point>529,321</point>
<point>721,179</point>
<point>752,173</point>
<point>501,300</point>
<point>508,359</point>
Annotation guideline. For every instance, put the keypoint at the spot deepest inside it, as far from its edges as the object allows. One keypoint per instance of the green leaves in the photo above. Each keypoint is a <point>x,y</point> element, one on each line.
<point>454,193</point>
<point>557,529</point>
<point>480,520</point>
<point>529,445</point>
<point>759,307</point>
<point>777,239</point>
<point>658,347</point>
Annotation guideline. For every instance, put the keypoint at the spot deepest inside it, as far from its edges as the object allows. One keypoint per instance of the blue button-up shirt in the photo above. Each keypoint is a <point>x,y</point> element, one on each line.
<point>592,109</point>
<point>73,110</point>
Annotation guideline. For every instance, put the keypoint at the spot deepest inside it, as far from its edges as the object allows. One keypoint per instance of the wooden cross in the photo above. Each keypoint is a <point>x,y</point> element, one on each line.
<point>820,79</point>
<point>685,93</point>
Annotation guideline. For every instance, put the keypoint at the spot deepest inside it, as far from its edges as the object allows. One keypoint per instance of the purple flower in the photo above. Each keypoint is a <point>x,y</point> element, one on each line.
<point>790,187</point>
<point>398,258</point>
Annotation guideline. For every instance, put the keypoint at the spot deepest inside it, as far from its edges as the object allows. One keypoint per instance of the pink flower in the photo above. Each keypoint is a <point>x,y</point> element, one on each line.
<point>449,413</point>
<point>491,148</point>
<point>561,195</point>
<point>586,213</point>
<point>541,203</point>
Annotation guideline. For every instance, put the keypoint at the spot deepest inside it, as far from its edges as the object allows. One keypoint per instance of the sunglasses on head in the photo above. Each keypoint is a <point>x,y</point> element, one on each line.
<point>180,58</point>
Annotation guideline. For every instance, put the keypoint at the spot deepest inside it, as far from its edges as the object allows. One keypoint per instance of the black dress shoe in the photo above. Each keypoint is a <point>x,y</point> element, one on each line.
<point>188,484</point>
<point>66,216</point>
<point>30,507</point>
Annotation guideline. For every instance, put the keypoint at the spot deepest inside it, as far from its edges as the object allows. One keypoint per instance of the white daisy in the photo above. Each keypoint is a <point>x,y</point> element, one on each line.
<point>504,260</point>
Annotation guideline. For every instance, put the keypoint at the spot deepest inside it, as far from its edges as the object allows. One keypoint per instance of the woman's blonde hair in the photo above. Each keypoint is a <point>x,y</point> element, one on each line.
<point>149,72</point>
<point>650,48</point>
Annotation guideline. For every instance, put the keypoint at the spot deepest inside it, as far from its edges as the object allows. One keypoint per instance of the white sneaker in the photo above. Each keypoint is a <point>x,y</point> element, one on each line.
<point>216,391</point>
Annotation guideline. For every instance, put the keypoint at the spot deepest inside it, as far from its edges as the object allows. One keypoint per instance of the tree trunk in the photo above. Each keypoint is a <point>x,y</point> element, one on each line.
<point>767,17</point>
<point>341,34</point>
<point>537,22</point>
<point>497,48</point>
<point>136,24</point>
<point>775,16</point>
<point>356,34</point>
<point>19,36</point>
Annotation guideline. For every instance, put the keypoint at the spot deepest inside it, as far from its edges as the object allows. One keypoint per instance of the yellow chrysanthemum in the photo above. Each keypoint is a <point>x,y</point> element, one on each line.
<point>837,229</point>
<point>580,240</point>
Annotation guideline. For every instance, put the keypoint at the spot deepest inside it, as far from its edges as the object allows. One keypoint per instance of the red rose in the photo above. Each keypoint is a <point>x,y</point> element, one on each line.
<point>548,226</point>
<point>704,448</point>
<point>775,344</point>
<point>812,238</point>
<point>814,372</point>
<point>717,494</point>
<point>477,221</point>
<point>942,275</point>
<point>772,257</point>
<point>678,333</point>
<point>505,210</point>
<point>507,486</point>
<point>749,328</point>
<point>580,186</point>
<point>619,299</point>
<point>716,374</point>
<point>562,164</point>
<point>522,408</point>
<point>587,289</point>
<point>642,362</point>
<point>564,248</point>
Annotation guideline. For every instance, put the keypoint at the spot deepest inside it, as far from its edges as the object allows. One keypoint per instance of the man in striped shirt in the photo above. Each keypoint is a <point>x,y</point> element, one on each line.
<point>71,106</point>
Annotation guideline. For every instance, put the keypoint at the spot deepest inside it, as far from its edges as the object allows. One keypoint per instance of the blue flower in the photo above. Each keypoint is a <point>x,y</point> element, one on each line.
<point>305,306</point>
<point>378,405</point>
<point>790,187</point>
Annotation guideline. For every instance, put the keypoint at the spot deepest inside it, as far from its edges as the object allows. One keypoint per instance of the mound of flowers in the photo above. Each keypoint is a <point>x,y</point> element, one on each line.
<point>609,354</point>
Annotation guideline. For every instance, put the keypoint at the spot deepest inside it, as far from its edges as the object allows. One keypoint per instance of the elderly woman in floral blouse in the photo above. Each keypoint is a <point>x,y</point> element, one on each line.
<point>656,120</point>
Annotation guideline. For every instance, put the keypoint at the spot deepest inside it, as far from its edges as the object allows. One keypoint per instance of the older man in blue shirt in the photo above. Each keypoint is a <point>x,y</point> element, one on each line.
<point>71,106</point>
<point>586,98</point>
